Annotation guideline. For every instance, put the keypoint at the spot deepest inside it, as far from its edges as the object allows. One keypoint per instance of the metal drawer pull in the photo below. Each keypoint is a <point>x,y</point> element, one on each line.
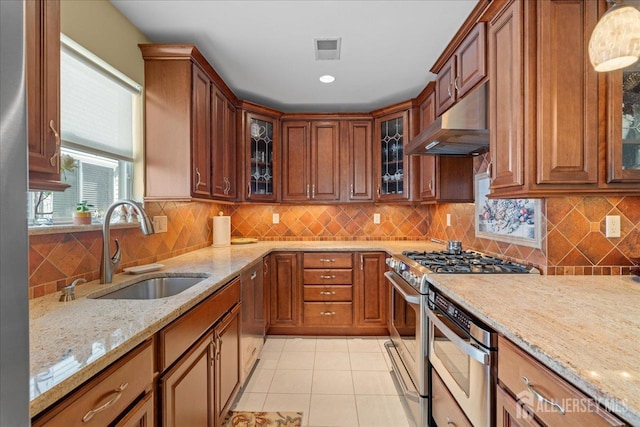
<point>328,313</point>
<point>87,417</point>
<point>541,398</point>
<point>198,175</point>
<point>450,423</point>
<point>327,260</point>
<point>331,276</point>
<point>327,292</point>
<point>254,275</point>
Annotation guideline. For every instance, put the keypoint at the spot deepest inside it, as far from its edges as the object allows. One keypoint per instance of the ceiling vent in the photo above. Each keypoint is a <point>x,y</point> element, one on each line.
<point>327,49</point>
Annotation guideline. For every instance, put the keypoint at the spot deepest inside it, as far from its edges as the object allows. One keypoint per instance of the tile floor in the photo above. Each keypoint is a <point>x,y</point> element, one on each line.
<point>334,381</point>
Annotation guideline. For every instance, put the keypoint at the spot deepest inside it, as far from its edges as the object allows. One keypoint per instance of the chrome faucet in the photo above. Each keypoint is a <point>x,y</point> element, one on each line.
<point>109,263</point>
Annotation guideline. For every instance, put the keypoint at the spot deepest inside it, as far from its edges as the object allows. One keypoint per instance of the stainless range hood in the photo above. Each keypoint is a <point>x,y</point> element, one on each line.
<point>461,130</point>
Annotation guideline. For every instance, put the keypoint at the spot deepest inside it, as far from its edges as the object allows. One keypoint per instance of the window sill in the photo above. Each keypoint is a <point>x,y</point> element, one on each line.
<point>70,228</point>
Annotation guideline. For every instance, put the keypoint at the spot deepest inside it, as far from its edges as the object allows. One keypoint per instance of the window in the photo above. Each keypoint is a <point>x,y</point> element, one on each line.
<point>99,109</point>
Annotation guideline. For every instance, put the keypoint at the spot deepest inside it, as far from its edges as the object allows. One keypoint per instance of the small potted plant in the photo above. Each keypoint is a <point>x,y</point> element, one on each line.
<point>82,215</point>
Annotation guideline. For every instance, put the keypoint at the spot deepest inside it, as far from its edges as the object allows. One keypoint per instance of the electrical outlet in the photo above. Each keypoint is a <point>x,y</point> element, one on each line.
<point>613,226</point>
<point>160,224</point>
<point>275,218</point>
<point>376,218</point>
<point>448,220</point>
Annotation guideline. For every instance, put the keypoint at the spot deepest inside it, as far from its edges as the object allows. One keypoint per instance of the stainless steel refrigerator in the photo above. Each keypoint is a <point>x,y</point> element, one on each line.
<point>14,304</point>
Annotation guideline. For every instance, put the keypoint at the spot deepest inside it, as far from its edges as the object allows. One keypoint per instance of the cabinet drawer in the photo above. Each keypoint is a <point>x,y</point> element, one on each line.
<point>328,260</point>
<point>328,293</point>
<point>445,410</point>
<point>176,338</point>
<point>514,365</point>
<point>329,277</point>
<point>122,383</point>
<point>328,313</point>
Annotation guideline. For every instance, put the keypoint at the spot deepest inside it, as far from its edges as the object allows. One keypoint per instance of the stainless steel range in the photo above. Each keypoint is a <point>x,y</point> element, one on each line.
<point>409,346</point>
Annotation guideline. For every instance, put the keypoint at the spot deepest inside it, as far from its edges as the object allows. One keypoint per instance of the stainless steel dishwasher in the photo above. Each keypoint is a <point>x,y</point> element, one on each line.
<point>252,328</point>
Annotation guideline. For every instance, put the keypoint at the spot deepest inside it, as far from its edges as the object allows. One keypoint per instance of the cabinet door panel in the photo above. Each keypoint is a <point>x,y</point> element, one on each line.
<point>295,161</point>
<point>427,163</point>
<point>227,363</point>
<point>187,388</point>
<point>218,149</point>
<point>392,135</point>
<point>506,102</point>
<point>445,96</point>
<point>142,414</point>
<point>361,161</point>
<point>201,137</point>
<point>284,289</point>
<point>567,139</point>
<point>261,157</point>
<point>230,150</point>
<point>471,61</point>
<point>372,289</point>
<point>325,161</point>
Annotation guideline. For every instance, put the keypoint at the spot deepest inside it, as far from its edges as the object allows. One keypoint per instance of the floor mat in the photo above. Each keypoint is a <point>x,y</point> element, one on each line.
<point>260,419</point>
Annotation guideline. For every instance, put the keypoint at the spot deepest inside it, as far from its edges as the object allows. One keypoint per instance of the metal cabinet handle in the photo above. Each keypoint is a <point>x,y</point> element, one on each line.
<point>253,275</point>
<point>307,191</point>
<point>540,398</point>
<point>327,292</point>
<point>198,175</point>
<point>490,169</point>
<point>352,191</point>
<point>327,260</point>
<point>249,191</point>
<point>455,83</point>
<point>328,313</point>
<point>378,191</point>
<point>430,184</point>
<point>313,191</point>
<point>329,276</point>
<point>56,135</point>
<point>450,423</point>
<point>227,185</point>
<point>118,394</point>
<point>212,351</point>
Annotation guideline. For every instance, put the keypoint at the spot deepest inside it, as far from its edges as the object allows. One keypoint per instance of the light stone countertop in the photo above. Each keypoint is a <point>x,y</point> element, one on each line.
<point>584,328</point>
<point>70,342</point>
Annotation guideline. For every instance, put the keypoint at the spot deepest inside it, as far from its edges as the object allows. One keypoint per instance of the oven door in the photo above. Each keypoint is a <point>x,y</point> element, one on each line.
<point>463,366</point>
<point>408,332</point>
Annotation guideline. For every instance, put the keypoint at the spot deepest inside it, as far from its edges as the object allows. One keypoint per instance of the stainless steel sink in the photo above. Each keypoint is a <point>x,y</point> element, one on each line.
<point>158,287</point>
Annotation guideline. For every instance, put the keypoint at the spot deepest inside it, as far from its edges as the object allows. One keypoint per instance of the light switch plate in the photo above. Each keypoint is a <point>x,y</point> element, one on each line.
<point>160,224</point>
<point>448,220</point>
<point>376,218</point>
<point>613,225</point>
<point>275,219</point>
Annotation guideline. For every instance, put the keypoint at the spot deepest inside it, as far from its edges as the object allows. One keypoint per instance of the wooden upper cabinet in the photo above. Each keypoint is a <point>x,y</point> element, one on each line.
<point>463,71</point>
<point>42,32</point>
<point>261,170</point>
<point>567,94</point>
<point>546,115</point>
<point>427,163</point>
<point>310,161</point>
<point>360,161</point>
<point>623,141</point>
<point>506,106</point>
<point>201,133</point>
<point>190,128</point>
<point>223,146</point>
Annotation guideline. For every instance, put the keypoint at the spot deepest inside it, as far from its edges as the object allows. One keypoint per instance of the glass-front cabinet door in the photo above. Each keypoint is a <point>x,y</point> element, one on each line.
<point>261,178</point>
<point>624,125</point>
<point>393,166</point>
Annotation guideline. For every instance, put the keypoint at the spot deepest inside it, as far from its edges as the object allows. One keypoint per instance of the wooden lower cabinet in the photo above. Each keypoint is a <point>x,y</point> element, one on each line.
<point>227,363</point>
<point>371,288</point>
<point>187,389</point>
<point>510,414</point>
<point>285,288</point>
<point>143,414</point>
<point>516,368</point>
<point>107,397</point>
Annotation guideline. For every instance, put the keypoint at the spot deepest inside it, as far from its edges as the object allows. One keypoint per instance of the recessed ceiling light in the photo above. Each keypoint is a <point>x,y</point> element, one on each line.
<point>327,78</point>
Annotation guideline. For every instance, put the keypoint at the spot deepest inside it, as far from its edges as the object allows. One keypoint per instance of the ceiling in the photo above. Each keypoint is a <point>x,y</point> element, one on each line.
<point>264,50</point>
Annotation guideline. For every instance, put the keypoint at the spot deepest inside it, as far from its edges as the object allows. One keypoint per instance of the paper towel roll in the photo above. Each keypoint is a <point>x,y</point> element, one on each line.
<point>221,231</point>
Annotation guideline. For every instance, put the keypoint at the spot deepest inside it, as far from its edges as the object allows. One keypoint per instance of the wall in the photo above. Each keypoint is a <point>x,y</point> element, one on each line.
<point>56,260</point>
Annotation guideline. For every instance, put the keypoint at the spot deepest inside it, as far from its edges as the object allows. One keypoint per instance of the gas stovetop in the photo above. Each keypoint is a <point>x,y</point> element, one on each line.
<point>467,262</point>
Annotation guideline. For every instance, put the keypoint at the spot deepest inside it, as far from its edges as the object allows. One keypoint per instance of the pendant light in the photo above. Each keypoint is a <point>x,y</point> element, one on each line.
<point>615,42</point>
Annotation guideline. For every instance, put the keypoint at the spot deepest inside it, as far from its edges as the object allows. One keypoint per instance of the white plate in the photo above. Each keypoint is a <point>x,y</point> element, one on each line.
<point>143,268</point>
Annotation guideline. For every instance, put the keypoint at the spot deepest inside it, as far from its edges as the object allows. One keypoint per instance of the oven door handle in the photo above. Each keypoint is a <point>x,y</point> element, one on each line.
<point>471,351</point>
<point>402,288</point>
